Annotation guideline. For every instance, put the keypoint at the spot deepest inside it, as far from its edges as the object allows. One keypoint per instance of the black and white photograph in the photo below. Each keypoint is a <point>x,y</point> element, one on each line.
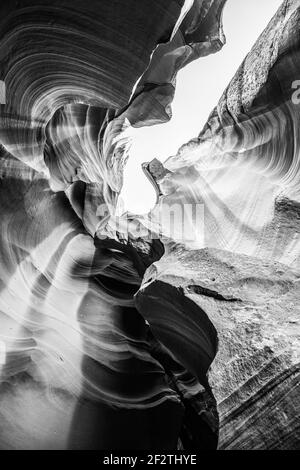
<point>149,229</point>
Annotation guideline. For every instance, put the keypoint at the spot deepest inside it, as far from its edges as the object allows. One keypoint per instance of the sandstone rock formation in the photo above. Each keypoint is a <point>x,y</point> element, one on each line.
<point>229,297</point>
<point>201,351</point>
<point>233,321</point>
<point>75,353</point>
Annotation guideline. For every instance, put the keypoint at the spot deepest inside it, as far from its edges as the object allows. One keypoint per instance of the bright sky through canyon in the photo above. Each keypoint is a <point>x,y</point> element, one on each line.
<point>199,87</point>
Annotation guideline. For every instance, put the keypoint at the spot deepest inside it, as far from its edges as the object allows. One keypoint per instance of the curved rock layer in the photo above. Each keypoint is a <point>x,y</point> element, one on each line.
<point>244,166</point>
<point>74,351</point>
<point>233,321</point>
<point>225,299</point>
<point>206,352</point>
<point>77,74</point>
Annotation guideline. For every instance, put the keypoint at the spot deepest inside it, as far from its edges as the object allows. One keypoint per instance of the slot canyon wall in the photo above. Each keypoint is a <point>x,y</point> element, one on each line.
<point>116,331</point>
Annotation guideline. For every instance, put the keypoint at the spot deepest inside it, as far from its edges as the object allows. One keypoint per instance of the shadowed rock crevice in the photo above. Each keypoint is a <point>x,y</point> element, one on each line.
<point>210,293</point>
<point>187,334</point>
<point>252,371</point>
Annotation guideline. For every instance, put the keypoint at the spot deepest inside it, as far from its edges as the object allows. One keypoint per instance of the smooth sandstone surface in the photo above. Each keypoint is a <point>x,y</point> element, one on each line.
<point>225,299</point>
<point>160,336</point>
<point>75,353</point>
<point>233,320</point>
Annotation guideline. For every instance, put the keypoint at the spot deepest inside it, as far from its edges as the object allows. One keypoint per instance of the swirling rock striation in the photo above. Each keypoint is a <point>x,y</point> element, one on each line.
<point>75,352</point>
<point>226,301</point>
<point>233,321</point>
<point>205,353</point>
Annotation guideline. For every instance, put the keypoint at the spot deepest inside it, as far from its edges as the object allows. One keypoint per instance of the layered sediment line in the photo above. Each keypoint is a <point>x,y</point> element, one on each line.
<point>241,342</point>
<point>240,271</point>
<point>111,337</point>
<point>75,352</point>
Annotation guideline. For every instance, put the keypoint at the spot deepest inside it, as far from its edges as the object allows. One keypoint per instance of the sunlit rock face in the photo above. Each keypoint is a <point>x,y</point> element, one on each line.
<point>225,300</point>
<point>77,73</point>
<point>244,166</point>
<point>80,366</point>
<point>176,329</point>
<point>233,321</point>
